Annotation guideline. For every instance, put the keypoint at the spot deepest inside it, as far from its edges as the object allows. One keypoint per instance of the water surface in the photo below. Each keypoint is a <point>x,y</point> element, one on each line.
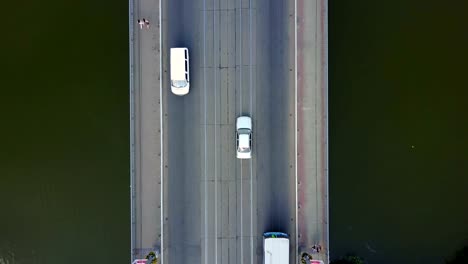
<point>64,177</point>
<point>398,130</point>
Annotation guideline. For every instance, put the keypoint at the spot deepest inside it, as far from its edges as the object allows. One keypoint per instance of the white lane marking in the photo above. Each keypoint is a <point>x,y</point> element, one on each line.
<point>250,52</point>
<point>295,119</point>
<point>251,212</point>
<point>214,147</point>
<point>161,134</point>
<point>251,113</point>
<point>205,124</point>
<point>241,221</point>
<point>326,157</point>
<point>240,112</point>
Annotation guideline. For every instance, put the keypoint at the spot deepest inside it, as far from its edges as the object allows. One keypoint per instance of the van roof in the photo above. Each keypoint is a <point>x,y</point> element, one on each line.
<point>178,63</point>
<point>276,250</point>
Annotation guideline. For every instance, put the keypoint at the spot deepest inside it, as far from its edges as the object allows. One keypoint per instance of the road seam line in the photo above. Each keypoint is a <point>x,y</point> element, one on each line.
<point>240,112</point>
<point>205,125</point>
<point>251,161</point>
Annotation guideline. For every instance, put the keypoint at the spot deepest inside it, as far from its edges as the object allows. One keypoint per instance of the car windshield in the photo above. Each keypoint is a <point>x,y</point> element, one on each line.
<point>179,84</point>
<point>243,131</point>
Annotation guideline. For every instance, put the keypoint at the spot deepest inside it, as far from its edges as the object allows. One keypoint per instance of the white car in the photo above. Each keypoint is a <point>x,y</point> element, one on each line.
<point>244,137</point>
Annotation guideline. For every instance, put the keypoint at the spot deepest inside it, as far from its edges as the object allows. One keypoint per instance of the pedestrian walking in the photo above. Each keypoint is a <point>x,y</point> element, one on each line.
<point>306,258</point>
<point>147,23</point>
<point>141,23</point>
<point>316,248</point>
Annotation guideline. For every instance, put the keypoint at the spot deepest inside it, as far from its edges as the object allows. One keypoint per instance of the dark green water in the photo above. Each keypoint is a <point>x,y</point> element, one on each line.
<point>64,176</point>
<point>398,129</point>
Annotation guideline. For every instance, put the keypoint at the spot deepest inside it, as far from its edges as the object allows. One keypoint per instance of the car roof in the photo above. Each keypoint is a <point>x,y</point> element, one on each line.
<point>244,141</point>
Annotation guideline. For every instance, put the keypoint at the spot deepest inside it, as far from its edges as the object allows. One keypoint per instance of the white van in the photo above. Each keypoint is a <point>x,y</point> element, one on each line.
<point>180,74</point>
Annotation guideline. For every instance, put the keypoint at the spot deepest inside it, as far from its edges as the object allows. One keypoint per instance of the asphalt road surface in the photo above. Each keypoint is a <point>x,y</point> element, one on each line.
<point>216,207</point>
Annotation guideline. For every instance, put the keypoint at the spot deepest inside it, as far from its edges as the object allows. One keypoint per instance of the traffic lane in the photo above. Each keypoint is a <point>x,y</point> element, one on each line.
<point>200,107</point>
<point>246,169</point>
<point>182,136</point>
<point>209,184</point>
<point>227,197</point>
<point>219,195</point>
<point>275,119</point>
<point>245,106</point>
<point>224,94</point>
<point>246,214</point>
<point>209,175</point>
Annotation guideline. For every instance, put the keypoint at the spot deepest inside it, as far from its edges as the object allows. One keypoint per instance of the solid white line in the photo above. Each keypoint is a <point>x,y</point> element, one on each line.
<point>295,118</point>
<point>240,57</point>
<point>325,79</point>
<point>251,162</point>
<point>251,212</point>
<point>162,130</point>
<point>250,53</point>
<point>205,124</point>
<point>215,160</point>
<point>241,215</point>
<point>317,65</point>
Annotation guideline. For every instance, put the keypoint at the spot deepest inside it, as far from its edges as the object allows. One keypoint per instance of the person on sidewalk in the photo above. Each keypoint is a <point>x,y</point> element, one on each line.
<point>147,23</point>
<point>141,23</point>
<point>305,258</point>
<point>316,248</point>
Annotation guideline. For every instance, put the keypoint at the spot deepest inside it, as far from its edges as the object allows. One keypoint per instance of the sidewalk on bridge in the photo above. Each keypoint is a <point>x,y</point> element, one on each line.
<point>312,125</point>
<point>146,129</point>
